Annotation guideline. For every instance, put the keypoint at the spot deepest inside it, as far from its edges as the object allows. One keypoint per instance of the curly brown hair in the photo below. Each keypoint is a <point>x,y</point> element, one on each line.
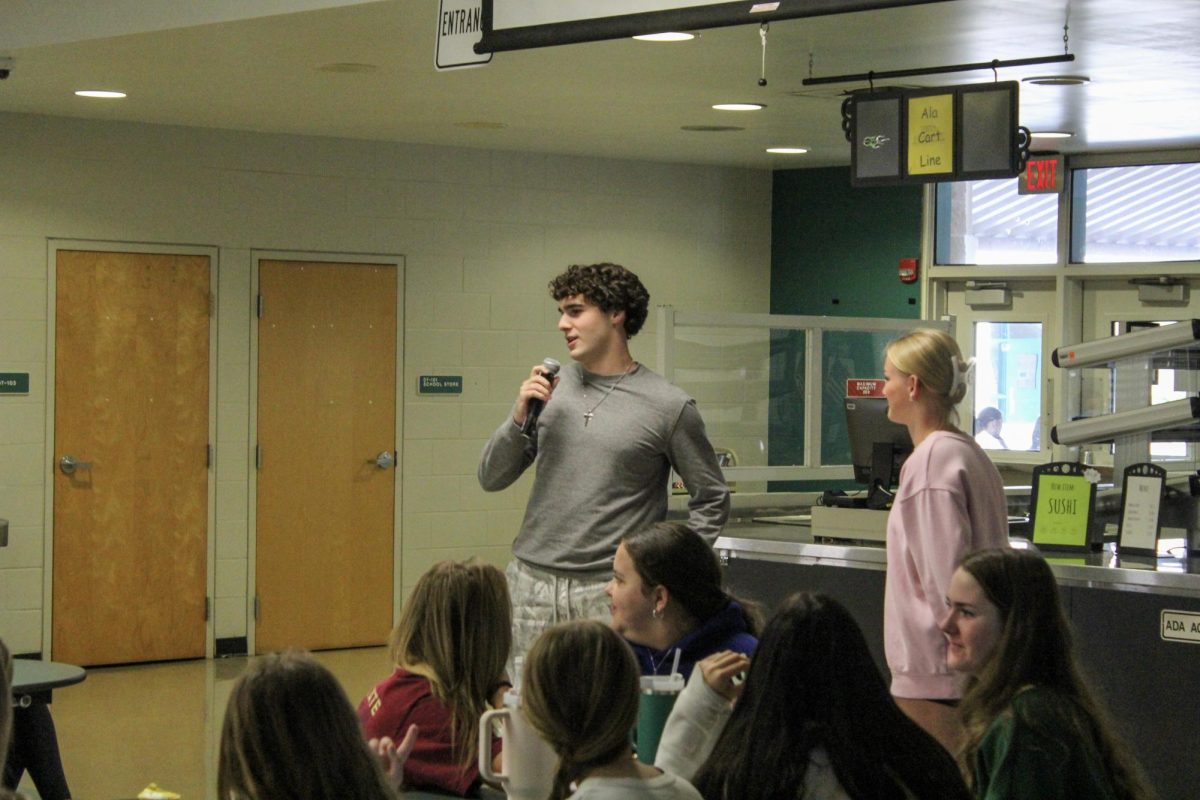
<point>611,287</point>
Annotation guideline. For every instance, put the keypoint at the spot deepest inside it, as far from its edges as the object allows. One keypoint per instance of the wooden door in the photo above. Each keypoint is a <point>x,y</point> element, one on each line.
<point>131,399</point>
<point>326,410</point>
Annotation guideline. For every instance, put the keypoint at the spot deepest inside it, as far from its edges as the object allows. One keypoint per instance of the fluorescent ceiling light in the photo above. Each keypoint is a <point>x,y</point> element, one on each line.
<point>100,93</point>
<point>671,36</point>
<point>787,150</point>
<point>1052,134</point>
<point>739,106</point>
<point>1057,80</point>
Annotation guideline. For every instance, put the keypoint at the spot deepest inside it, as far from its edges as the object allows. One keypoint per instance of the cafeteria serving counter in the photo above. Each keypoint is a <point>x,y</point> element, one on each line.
<point>1132,620</point>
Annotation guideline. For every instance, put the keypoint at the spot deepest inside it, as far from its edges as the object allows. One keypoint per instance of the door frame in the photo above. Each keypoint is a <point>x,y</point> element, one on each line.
<point>210,568</point>
<point>257,256</point>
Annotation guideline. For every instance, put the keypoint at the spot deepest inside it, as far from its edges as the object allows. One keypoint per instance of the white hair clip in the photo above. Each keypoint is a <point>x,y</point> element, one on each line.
<point>962,373</point>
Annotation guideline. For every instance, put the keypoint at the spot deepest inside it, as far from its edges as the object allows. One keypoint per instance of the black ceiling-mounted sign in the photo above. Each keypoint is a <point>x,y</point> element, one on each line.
<point>953,133</point>
<point>525,24</point>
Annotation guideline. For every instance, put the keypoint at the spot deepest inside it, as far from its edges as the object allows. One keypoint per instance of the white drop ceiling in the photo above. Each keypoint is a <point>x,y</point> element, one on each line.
<point>250,66</point>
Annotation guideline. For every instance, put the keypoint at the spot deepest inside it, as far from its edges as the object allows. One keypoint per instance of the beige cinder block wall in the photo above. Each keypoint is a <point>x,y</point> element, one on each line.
<point>480,232</point>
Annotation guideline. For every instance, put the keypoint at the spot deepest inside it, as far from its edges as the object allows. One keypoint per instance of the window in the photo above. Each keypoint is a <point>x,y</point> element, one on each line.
<point>1008,385</point>
<point>987,222</point>
<point>1135,214</point>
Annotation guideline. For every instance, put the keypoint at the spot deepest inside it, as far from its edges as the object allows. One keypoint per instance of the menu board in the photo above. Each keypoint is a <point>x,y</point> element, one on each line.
<point>1062,507</point>
<point>1141,501</point>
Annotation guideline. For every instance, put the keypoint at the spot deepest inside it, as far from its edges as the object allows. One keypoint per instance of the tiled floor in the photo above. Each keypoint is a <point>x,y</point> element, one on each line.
<point>124,727</point>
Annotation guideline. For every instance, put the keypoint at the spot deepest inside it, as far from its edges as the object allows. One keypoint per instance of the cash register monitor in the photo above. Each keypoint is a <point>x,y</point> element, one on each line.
<point>878,446</point>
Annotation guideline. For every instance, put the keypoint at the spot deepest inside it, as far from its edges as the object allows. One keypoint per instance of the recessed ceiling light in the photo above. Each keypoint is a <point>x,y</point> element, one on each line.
<point>739,106</point>
<point>100,93</point>
<point>670,36</point>
<point>1057,80</point>
<point>348,67</point>
<point>1051,134</point>
<point>789,151</point>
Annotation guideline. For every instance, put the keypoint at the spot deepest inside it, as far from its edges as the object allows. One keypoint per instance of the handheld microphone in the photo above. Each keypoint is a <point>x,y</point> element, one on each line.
<point>550,368</point>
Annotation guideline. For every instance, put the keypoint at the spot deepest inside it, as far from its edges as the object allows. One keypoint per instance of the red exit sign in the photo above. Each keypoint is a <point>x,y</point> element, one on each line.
<point>1042,175</point>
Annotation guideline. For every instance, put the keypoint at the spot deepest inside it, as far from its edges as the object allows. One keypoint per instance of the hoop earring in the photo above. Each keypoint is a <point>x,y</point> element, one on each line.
<point>654,612</point>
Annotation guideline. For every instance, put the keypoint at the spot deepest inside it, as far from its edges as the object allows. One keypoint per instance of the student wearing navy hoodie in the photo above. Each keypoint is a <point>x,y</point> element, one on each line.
<point>666,596</point>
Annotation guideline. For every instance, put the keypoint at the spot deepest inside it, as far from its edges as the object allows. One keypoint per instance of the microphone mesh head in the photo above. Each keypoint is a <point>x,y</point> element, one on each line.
<point>550,367</point>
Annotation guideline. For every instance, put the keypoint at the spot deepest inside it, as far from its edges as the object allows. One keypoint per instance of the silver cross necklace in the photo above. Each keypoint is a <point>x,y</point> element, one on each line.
<point>587,415</point>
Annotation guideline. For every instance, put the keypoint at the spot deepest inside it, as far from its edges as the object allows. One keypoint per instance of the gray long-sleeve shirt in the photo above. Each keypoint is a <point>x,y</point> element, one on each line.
<point>599,482</point>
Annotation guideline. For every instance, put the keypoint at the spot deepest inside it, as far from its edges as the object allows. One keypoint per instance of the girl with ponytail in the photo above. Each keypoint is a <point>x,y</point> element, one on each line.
<point>950,501</point>
<point>580,693</point>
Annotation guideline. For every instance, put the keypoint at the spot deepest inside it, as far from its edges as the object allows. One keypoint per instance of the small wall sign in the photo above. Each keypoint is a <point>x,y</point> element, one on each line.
<point>439,384</point>
<point>14,383</point>
<point>1181,626</point>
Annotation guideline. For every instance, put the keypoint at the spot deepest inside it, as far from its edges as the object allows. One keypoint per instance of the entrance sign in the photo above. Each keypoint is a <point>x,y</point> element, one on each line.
<point>460,26</point>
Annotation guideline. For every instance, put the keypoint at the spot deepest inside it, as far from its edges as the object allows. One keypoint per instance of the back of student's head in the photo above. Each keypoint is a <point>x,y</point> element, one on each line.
<point>812,683</point>
<point>6,670</point>
<point>458,623</point>
<point>290,732</point>
<point>580,691</point>
<point>987,415</point>
<point>935,358</point>
<point>674,556</point>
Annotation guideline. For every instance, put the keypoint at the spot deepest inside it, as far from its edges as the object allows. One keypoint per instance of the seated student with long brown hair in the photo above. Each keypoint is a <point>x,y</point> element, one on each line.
<point>580,692</point>
<point>6,670</point>
<point>1033,728</point>
<point>449,647</point>
<point>290,732</point>
<point>813,720</point>
<point>667,598</point>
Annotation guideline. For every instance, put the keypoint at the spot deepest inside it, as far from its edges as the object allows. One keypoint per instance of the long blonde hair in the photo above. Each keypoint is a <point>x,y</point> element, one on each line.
<point>931,355</point>
<point>457,623</point>
<point>581,694</point>
<point>290,731</point>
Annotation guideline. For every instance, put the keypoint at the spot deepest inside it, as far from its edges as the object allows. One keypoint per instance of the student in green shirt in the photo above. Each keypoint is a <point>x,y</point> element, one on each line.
<point>1033,728</point>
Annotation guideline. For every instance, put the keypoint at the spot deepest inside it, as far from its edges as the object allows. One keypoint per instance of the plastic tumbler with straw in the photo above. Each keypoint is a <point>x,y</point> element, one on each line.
<point>659,693</point>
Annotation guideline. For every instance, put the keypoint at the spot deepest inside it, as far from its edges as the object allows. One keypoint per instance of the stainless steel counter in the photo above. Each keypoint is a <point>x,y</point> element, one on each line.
<point>795,544</point>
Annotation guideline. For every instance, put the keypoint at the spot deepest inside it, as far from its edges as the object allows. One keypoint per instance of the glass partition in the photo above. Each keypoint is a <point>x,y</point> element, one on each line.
<point>770,388</point>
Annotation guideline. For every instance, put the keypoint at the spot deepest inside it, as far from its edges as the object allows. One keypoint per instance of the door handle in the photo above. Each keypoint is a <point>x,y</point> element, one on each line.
<point>384,460</point>
<point>69,465</point>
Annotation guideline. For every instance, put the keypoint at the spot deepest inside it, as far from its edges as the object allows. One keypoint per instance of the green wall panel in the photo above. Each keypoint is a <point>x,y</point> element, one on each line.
<point>836,250</point>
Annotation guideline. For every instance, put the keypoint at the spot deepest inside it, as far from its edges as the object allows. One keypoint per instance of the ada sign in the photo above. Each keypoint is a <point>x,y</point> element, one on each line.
<point>460,26</point>
<point>1181,626</point>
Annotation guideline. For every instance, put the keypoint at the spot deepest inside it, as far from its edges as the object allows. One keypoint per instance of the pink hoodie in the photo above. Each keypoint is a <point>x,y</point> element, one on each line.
<point>950,503</point>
